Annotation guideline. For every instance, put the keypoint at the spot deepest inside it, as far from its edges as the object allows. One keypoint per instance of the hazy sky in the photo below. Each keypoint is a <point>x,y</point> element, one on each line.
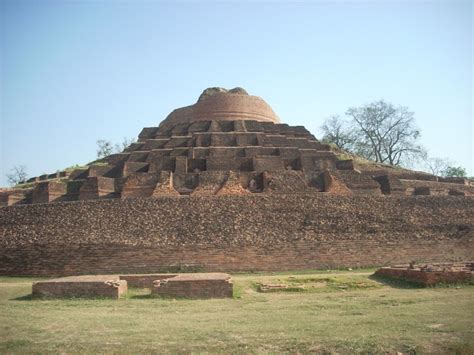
<point>73,72</point>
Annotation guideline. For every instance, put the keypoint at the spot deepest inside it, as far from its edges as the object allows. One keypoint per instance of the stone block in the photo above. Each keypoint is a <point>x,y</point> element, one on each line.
<point>196,165</point>
<point>77,174</point>
<point>315,179</point>
<point>417,175</point>
<point>151,144</point>
<point>222,164</point>
<point>270,127</point>
<point>248,139</point>
<point>223,140</point>
<point>334,185</point>
<point>390,185</point>
<point>254,126</point>
<point>162,164</point>
<point>178,142</point>
<point>276,140</point>
<point>203,139</point>
<point>300,143</point>
<point>239,126</point>
<point>454,180</point>
<point>138,157</point>
<point>97,187</point>
<point>212,285</point>
<point>430,274</point>
<point>289,152</point>
<point>358,183</point>
<point>11,197</point>
<point>183,151</point>
<point>100,169</point>
<point>232,185</point>
<point>180,129</point>
<point>289,181</point>
<point>229,152</point>
<point>267,163</point>
<point>312,160</point>
<point>292,164</point>
<point>210,182</point>
<point>165,185</point>
<point>347,164</point>
<point>140,185</point>
<point>49,191</point>
<point>144,280</point>
<point>102,286</point>
<point>185,184</point>
<point>115,159</point>
<point>148,132</point>
<point>255,151</point>
<point>181,165</point>
<point>73,189</point>
<point>199,126</point>
<point>200,152</point>
<point>132,167</point>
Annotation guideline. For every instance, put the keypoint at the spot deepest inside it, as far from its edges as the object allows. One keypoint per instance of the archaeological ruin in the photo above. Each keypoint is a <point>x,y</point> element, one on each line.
<point>223,185</point>
<point>192,285</point>
<point>430,274</point>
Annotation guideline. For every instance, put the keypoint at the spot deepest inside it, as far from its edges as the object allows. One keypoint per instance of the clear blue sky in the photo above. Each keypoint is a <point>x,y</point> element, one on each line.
<point>73,72</point>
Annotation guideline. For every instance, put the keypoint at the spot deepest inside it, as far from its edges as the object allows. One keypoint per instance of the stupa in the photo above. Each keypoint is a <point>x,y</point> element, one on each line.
<point>223,185</point>
<point>228,142</point>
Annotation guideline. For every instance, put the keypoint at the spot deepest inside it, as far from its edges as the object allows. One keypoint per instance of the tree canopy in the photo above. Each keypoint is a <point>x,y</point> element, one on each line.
<point>377,131</point>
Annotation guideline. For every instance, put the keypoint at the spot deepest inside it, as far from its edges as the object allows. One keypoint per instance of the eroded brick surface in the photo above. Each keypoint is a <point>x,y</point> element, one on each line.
<point>233,233</point>
<point>430,274</point>
<point>81,286</point>
<point>200,285</point>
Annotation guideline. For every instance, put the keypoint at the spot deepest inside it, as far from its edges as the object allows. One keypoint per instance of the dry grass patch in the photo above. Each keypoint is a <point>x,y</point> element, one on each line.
<point>364,316</point>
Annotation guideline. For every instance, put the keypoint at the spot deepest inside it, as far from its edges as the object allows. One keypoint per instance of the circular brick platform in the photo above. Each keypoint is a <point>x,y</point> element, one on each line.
<point>223,106</point>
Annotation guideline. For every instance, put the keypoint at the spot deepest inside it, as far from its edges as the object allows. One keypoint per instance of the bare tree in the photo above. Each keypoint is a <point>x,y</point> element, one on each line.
<point>336,131</point>
<point>435,165</point>
<point>387,132</point>
<point>17,175</point>
<point>104,148</point>
<point>119,147</point>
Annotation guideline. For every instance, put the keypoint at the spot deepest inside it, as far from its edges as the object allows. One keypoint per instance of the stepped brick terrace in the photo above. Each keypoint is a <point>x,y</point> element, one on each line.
<point>224,185</point>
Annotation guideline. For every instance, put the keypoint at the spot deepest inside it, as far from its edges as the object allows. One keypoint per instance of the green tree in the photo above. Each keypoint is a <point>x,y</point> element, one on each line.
<point>454,171</point>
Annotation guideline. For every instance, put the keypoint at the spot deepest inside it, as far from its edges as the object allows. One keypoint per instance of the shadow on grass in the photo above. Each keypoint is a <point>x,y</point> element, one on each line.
<point>29,297</point>
<point>396,283</point>
<point>140,297</point>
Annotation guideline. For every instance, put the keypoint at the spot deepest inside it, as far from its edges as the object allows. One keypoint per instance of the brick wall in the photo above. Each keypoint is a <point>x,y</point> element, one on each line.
<point>233,233</point>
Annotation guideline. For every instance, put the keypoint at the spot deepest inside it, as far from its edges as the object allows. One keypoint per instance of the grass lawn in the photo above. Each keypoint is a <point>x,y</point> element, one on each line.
<point>320,312</point>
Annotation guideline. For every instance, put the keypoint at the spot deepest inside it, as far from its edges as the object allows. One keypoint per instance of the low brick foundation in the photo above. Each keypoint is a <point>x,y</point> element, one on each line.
<point>144,281</point>
<point>211,285</point>
<point>430,274</point>
<point>81,286</point>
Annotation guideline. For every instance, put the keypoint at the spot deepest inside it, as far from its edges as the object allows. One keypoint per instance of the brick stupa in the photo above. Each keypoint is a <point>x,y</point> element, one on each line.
<point>228,142</point>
